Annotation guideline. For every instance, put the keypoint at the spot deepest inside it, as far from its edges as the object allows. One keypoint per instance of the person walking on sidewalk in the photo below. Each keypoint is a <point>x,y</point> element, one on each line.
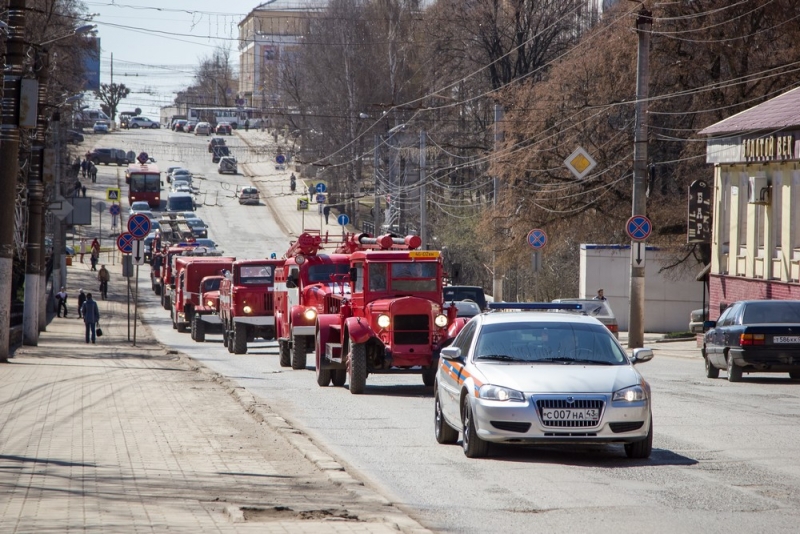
<point>83,248</point>
<point>104,276</point>
<point>61,300</point>
<point>91,316</point>
<point>81,300</point>
<point>95,253</point>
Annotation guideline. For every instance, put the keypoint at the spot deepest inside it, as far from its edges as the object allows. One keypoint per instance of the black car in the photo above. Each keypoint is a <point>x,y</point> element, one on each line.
<point>215,141</point>
<point>220,151</point>
<point>109,156</point>
<point>473,293</point>
<point>754,336</point>
<point>74,137</point>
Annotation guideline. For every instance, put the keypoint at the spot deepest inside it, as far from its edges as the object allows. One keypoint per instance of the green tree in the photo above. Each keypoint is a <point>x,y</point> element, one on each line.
<point>111,95</point>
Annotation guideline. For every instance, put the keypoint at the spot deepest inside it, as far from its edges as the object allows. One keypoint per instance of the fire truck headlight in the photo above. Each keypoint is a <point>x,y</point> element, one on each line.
<point>440,321</point>
<point>384,321</point>
<point>247,309</point>
<point>209,302</point>
<point>310,314</point>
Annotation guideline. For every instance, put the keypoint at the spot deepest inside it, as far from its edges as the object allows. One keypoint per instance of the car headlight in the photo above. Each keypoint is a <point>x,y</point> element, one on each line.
<point>631,394</point>
<point>209,302</point>
<point>440,321</point>
<point>310,314</point>
<point>500,393</point>
<point>384,321</point>
<point>247,309</point>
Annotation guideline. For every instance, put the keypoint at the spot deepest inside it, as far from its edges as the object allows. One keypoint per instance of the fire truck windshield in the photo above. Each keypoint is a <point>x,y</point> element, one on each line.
<point>322,273</point>
<point>211,285</point>
<point>255,274</point>
<point>414,276</point>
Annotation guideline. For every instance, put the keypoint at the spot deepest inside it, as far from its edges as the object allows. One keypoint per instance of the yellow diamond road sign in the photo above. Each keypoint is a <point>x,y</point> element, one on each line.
<point>112,194</point>
<point>580,163</point>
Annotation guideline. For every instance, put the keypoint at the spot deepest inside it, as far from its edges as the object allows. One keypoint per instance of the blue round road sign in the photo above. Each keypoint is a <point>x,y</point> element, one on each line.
<point>280,158</point>
<point>343,219</point>
<point>537,238</point>
<point>114,209</point>
<point>320,187</point>
<point>139,225</point>
<point>638,227</point>
<point>125,243</point>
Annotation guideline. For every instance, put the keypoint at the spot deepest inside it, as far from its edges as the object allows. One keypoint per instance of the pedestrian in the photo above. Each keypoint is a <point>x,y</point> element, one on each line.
<point>91,316</point>
<point>93,172</point>
<point>246,125</point>
<point>327,212</point>
<point>77,188</point>
<point>83,248</point>
<point>104,276</point>
<point>94,258</point>
<point>61,301</point>
<point>84,167</point>
<point>81,300</point>
<point>83,191</point>
<point>599,295</point>
<point>96,245</point>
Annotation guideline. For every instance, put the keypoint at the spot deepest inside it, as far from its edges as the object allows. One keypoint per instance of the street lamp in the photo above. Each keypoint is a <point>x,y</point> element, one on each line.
<point>80,30</point>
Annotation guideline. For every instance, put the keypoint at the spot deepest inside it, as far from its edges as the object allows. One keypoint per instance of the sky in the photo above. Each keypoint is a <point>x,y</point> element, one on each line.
<point>157,44</point>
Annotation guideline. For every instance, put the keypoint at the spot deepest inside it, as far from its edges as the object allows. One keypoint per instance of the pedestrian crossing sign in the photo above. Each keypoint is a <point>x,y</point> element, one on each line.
<point>112,194</point>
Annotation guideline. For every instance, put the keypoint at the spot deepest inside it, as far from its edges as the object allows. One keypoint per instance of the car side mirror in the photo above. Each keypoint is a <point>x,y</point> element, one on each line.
<point>707,325</point>
<point>642,355</point>
<point>450,353</point>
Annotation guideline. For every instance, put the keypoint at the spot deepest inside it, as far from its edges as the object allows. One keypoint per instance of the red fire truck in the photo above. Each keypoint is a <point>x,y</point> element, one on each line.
<point>189,271</point>
<point>303,288</point>
<point>246,303</point>
<point>161,272</point>
<point>392,319</point>
<point>206,314</point>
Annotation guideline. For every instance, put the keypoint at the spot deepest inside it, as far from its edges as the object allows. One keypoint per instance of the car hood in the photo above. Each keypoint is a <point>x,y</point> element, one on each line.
<point>560,378</point>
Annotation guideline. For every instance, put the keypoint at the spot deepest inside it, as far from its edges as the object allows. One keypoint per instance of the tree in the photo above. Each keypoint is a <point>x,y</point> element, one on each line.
<point>111,95</point>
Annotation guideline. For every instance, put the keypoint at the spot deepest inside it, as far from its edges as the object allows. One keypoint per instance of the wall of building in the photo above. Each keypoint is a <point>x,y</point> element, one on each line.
<point>668,302</point>
<point>728,289</point>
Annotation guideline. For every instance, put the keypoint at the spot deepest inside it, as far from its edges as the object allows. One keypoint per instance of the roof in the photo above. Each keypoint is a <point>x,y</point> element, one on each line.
<point>777,113</point>
<point>537,317</point>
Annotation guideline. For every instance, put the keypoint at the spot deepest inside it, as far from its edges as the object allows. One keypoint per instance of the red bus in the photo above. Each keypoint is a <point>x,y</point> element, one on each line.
<point>144,184</point>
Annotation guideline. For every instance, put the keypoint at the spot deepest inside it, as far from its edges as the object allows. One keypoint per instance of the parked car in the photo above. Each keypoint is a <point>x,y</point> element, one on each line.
<point>473,293</point>
<point>223,128</point>
<point>696,320</point>
<point>142,122</point>
<point>180,125</point>
<point>754,336</point>
<point>74,137</point>
<point>218,152</point>
<point>100,127</point>
<point>108,156</point>
<point>139,205</point>
<point>215,141</point>
<point>228,164</point>
<point>190,126</point>
<point>599,309</point>
<point>541,378</point>
<point>202,128</point>
<point>199,228</point>
<point>249,195</point>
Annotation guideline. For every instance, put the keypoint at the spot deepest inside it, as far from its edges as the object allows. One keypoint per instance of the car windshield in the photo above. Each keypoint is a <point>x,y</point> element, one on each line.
<point>204,242</point>
<point>786,312</point>
<point>255,274</point>
<point>194,223</point>
<point>549,342</point>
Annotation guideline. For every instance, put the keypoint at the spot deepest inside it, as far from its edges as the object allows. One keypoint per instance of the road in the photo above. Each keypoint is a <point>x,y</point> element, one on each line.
<point>726,456</point>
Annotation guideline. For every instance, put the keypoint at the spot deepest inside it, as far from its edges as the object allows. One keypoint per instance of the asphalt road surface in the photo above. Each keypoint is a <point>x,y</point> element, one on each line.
<point>726,456</point>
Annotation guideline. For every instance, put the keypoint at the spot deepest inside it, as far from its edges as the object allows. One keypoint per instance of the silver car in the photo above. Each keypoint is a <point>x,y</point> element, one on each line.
<point>531,377</point>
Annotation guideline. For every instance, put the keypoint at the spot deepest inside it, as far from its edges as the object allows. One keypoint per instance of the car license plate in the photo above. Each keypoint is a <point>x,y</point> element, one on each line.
<point>562,414</point>
<point>786,339</point>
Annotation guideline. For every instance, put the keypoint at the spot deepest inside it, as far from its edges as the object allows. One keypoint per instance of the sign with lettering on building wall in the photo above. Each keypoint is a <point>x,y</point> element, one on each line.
<point>699,220</point>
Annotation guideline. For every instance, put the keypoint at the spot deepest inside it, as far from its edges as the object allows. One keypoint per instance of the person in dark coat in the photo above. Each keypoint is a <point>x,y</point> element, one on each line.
<point>91,316</point>
<point>81,300</point>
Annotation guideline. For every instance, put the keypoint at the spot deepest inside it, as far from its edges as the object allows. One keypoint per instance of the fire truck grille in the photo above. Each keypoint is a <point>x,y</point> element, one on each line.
<point>332,305</point>
<point>269,306</point>
<point>411,330</point>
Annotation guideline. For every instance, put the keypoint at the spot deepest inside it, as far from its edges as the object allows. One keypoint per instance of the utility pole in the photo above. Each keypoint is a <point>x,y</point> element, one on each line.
<point>644,22</point>
<point>112,68</point>
<point>30,319</point>
<point>423,204</point>
<point>497,275</point>
<point>376,209</point>
<point>9,156</point>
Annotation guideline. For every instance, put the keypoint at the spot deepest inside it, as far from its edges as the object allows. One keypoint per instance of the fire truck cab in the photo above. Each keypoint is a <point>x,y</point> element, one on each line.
<point>304,287</point>
<point>246,307</point>
<point>206,314</point>
<point>161,269</point>
<point>392,319</point>
<point>189,271</point>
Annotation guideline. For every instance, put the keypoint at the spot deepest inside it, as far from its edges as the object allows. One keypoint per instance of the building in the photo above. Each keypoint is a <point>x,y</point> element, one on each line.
<point>268,38</point>
<point>755,246</point>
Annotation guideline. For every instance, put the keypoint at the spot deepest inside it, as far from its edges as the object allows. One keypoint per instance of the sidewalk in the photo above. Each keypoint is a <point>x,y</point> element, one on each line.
<point>116,438</point>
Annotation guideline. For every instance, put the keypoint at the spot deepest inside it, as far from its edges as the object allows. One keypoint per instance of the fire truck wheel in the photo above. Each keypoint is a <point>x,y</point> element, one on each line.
<point>198,329</point>
<point>192,331</point>
<point>181,327</point>
<point>157,289</point>
<point>323,376</point>
<point>225,335</point>
<point>429,375</point>
<point>358,368</point>
<point>167,302</point>
<point>286,355</point>
<point>299,352</point>
<point>339,377</point>
<point>239,338</point>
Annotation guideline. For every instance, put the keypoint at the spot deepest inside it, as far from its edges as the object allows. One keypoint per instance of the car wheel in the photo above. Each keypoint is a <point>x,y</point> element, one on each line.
<point>357,368</point>
<point>473,445</point>
<point>134,126</point>
<point>299,350</point>
<point>286,355</point>
<point>154,127</point>
<point>734,371</point>
<point>711,371</point>
<point>640,450</point>
<point>794,375</point>
<point>445,434</point>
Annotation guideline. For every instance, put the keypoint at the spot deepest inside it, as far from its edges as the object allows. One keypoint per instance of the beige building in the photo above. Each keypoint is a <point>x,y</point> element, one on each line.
<point>756,207</point>
<point>268,39</point>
